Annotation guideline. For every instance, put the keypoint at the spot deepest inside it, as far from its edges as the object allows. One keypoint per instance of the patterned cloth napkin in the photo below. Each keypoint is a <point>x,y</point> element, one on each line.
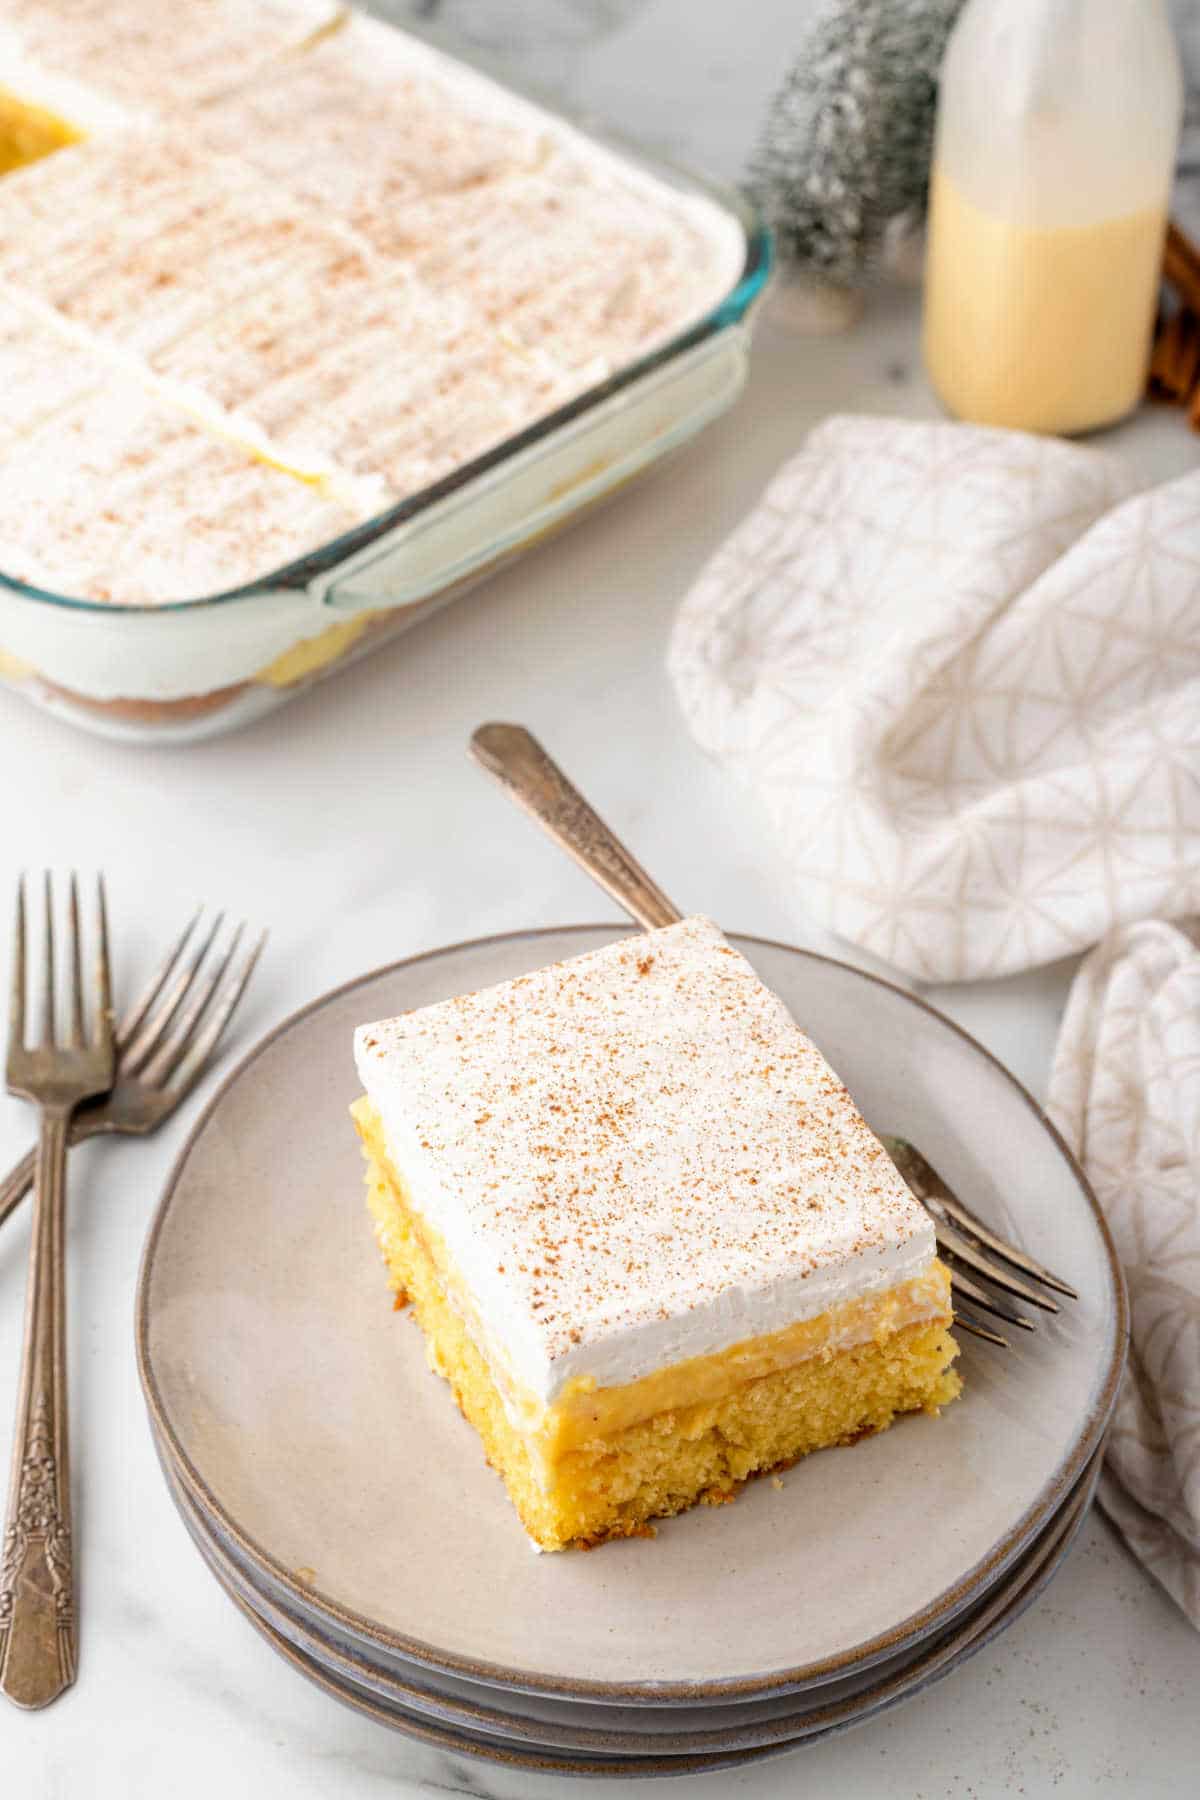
<point>1125,1093</point>
<point>961,668</point>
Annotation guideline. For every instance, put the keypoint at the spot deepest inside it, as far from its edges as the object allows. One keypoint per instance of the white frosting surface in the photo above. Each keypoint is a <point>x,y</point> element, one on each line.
<point>146,55</point>
<point>636,1157</point>
<point>39,374</point>
<point>139,237</point>
<point>147,506</point>
<point>372,118</point>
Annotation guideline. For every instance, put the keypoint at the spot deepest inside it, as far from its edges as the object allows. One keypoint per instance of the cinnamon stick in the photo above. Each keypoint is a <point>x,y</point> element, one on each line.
<point>1175,359</point>
<point>1181,266</point>
<point>1194,410</point>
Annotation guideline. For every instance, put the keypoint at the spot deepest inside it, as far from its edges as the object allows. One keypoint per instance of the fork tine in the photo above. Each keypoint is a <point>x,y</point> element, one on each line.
<point>16,1011</point>
<point>965,1322</point>
<point>183,1026</point>
<point>933,1192</point>
<point>191,1065</point>
<point>971,1290</point>
<point>131,1024</point>
<point>102,1033</point>
<point>151,1034</point>
<point>1020,1259</point>
<point>953,1240</point>
<point>48,967</point>
<point>75,960</point>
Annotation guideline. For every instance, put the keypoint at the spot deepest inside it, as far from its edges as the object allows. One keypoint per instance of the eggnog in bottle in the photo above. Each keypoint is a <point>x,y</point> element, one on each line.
<point>1058,122</point>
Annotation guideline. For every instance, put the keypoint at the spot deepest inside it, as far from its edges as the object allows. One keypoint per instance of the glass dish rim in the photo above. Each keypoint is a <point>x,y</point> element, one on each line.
<point>296,577</point>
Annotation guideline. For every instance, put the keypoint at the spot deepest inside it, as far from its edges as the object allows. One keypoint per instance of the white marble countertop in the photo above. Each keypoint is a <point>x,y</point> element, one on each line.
<point>353,825</point>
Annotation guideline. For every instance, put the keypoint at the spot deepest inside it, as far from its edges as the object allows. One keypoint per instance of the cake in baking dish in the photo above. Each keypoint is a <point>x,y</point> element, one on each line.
<point>650,1240</point>
<point>311,237</point>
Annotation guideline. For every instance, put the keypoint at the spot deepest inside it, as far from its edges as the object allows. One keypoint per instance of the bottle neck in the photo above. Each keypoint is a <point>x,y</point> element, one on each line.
<point>1061,111</point>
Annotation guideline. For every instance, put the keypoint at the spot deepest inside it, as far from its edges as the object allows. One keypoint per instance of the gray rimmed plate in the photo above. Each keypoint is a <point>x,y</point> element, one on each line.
<point>927,1665</point>
<point>596,1729</point>
<point>300,1416</point>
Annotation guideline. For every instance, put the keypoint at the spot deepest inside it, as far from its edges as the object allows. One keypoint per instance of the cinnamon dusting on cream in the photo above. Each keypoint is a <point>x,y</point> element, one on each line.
<point>637,1157</point>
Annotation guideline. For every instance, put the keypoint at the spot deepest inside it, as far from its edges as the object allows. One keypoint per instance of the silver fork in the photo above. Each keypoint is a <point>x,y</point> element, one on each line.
<point>163,1044</point>
<point>530,777</point>
<point>37,1607</point>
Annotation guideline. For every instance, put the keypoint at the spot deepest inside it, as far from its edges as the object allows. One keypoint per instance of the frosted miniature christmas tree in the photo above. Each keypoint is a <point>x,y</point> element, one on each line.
<point>843,162</point>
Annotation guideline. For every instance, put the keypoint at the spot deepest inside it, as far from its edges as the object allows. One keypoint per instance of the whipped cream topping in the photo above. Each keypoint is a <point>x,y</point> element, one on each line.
<point>147,506</point>
<point>86,109</point>
<point>274,337</point>
<point>39,374</point>
<point>139,237</point>
<point>634,1158</point>
<point>332,398</point>
<point>148,56</point>
<point>370,119</point>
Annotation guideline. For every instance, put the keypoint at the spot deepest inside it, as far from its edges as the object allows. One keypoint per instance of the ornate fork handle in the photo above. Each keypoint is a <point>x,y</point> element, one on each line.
<point>37,1613</point>
<point>535,782</point>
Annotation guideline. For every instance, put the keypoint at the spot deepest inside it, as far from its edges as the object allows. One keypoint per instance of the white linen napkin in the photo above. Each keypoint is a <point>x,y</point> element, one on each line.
<point>1125,1092</point>
<point>961,668</point>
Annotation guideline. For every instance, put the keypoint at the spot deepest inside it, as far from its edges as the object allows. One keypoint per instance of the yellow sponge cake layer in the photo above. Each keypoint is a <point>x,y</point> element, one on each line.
<point>601,1463</point>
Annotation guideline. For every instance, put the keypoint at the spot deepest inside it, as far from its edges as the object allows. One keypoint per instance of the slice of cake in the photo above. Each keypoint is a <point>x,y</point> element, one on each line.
<point>390,389</point>
<point>651,1242</point>
<point>148,507</point>
<point>275,335</point>
<point>139,237</point>
<point>570,259</point>
<point>158,58</point>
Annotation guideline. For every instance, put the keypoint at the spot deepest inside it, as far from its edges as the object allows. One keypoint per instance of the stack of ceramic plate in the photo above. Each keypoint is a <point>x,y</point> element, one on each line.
<point>328,1481</point>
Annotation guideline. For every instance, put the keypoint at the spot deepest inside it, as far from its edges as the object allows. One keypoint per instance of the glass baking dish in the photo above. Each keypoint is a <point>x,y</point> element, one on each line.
<point>191,668</point>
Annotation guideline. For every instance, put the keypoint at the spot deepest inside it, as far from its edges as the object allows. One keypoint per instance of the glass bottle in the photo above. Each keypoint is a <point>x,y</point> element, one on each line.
<point>1058,122</point>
